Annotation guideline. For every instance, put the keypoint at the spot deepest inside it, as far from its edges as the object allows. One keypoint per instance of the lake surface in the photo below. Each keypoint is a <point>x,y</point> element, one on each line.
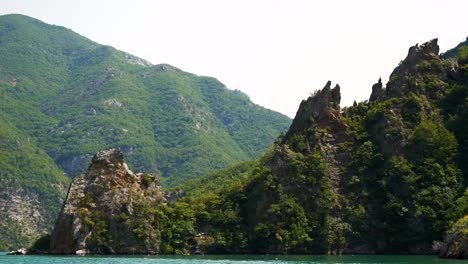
<point>4,259</point>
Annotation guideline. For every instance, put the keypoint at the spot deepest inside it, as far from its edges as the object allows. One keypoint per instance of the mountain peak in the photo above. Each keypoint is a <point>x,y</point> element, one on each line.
<point>377,90</point>
<point>408,76</point>
<point>426,51</point>
<point>318,107</point>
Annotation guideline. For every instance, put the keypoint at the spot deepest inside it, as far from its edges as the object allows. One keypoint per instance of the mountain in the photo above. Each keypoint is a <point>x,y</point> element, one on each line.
<point>64,97</point>
<point>383,176</point>
<point>387,175</point>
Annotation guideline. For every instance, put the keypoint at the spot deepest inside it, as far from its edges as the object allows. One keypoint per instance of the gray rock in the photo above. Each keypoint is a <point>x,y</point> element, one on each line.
<point>409,75</point>
<point>377,91</point>
<point>98,213</point>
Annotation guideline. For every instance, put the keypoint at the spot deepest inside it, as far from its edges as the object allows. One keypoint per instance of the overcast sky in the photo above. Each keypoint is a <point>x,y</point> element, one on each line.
<point>277,52</point>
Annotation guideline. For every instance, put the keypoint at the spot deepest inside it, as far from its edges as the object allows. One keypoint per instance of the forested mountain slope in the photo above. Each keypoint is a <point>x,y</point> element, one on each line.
<point>64,97</point>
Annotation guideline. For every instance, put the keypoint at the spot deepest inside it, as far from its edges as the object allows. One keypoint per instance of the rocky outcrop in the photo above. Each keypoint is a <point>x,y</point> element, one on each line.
<point>24,216</point>
<point>98,214</point>
<point>308,160</point>
<point>423,72</point>
<point>322,107</point>
<point>21,251</point>
<point>318,118</point>
<point>456,243</point>
<point>377,91</point>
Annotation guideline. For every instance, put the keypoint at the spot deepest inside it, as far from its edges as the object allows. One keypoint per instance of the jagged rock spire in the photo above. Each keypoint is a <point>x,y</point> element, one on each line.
<point>407,77</point>
<point>316,108</point>
<point>377,90</point>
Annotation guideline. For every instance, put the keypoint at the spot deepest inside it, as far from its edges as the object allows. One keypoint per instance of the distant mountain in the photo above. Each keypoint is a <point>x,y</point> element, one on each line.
<point>64,97</point>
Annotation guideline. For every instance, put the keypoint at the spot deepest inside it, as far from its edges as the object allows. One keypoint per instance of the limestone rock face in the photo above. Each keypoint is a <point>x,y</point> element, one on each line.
<point>24,211</point>
<point>21,251</point>
<point>97,216</point>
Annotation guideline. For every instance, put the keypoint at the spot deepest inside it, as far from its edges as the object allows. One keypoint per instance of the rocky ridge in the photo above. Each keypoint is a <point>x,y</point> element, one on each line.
<point>364,154</point>
<point>422,63</point>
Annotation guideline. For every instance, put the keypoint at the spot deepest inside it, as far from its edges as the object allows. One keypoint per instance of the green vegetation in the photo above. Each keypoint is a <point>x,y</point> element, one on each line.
<point>64,97</point>
<point>386,176</point>
<point>74,97</point>
<point>147,179</point>
<point>457,239</point>
<point>401,188</point>
<point>215,181</point>
<point>26,171</point>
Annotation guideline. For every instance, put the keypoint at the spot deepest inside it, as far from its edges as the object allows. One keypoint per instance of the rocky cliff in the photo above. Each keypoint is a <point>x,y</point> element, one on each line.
<point>380,176</point>
<point>97,216</point>
<point>318,119</point>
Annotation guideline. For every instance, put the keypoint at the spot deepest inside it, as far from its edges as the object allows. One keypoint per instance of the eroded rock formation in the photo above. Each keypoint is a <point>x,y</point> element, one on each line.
<point>100,205</point>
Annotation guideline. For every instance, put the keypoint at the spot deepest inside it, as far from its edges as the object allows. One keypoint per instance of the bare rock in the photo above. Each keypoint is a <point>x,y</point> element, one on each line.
<point>21,251</point>
<point>320,108</point>
<point>113,103</point>
<point>377,91</point>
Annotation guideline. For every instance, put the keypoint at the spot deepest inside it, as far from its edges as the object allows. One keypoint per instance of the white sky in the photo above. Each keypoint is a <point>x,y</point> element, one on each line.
<point>277,52</point>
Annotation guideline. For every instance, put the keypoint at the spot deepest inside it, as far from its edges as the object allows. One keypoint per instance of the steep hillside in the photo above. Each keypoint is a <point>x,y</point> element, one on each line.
<point>67,97</point>
<point>32,188</point>
<point>378,177</point>
<point>85,97</point>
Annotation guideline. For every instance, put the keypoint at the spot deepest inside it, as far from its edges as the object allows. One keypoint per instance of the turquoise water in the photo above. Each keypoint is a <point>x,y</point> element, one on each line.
<point>4,259</point>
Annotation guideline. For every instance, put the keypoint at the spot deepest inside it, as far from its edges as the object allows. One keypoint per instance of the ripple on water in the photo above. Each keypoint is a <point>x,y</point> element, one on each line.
<point>251,259</point>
